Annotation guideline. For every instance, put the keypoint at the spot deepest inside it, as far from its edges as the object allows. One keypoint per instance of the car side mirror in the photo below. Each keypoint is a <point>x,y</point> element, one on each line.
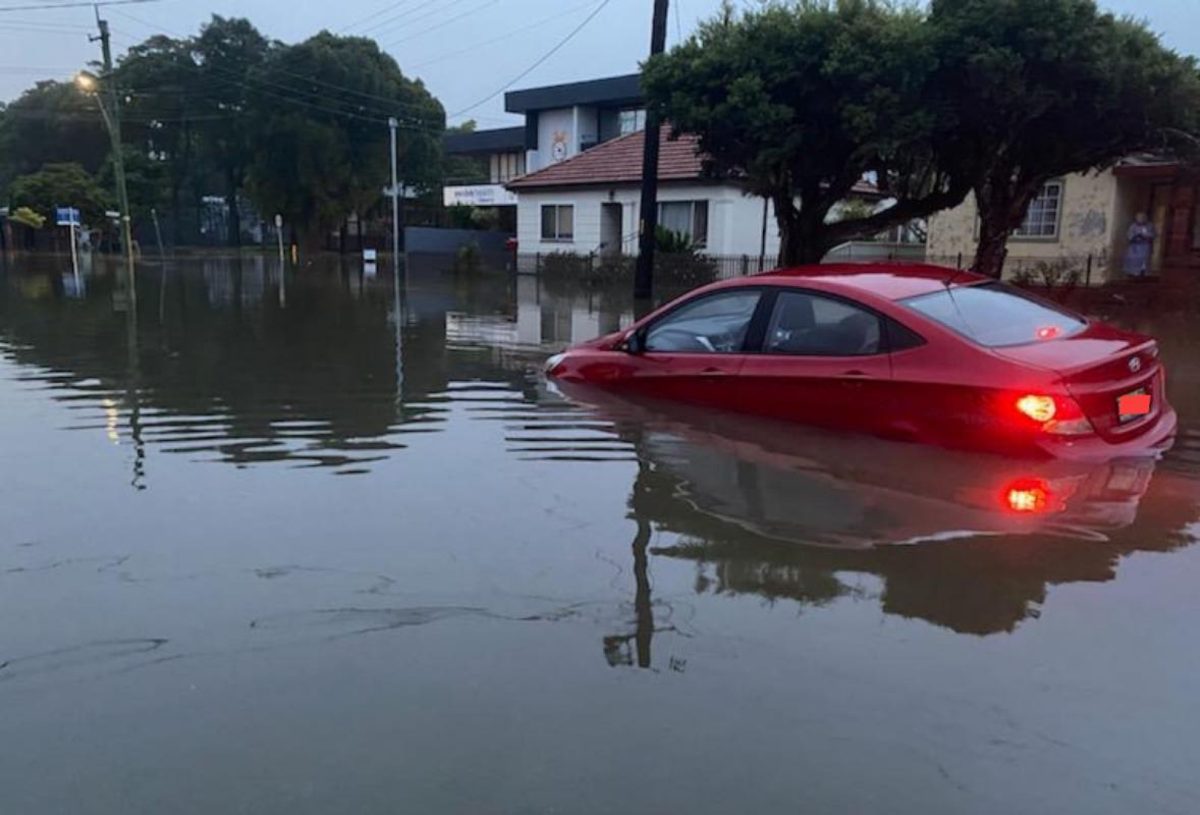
<point>635,343</point>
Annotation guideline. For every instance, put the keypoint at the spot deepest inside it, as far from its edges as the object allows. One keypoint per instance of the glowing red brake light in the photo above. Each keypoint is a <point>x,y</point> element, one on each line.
<point>1028,498</point>
<point>1047,332</point>
<point>1038,408</point>
<point>1060,415</point>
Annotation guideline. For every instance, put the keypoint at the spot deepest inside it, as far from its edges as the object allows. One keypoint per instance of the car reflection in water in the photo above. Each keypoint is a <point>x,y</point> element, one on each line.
<point>967,541</point>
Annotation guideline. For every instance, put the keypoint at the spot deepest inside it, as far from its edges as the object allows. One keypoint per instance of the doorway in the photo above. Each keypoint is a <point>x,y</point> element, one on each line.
<point>610,229</point>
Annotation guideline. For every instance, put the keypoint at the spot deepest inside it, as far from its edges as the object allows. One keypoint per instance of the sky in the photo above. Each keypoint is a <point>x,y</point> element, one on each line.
<point>464,50</point>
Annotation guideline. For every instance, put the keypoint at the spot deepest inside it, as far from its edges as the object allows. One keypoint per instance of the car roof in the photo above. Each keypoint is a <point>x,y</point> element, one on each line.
<point>890,281</point>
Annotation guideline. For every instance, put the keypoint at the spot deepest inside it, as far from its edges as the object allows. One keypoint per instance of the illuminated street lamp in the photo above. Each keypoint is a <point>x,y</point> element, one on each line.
<point>91,85</point>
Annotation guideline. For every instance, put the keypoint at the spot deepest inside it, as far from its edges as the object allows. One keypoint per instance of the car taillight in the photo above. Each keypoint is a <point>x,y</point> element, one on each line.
<point>1060,415</point>
<point>1029,497</point>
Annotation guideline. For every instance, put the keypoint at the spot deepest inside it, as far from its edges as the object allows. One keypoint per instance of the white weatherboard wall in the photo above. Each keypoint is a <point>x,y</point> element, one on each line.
<point>734,220</point>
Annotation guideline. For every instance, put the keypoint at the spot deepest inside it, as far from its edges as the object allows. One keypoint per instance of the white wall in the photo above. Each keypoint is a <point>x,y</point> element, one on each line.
<point>734,220</point>
<point>577,124</point>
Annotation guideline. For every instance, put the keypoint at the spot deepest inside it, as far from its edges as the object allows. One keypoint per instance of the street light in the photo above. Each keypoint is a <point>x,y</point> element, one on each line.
<point>91,85</point>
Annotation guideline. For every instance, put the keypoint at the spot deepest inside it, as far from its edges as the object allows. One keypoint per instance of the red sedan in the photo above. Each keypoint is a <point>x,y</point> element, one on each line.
<point>905,351</point>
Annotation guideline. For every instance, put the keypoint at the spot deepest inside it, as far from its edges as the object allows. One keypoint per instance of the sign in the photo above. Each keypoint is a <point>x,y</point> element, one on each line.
<point>370,255</point>
<point>479,195</point>
<point>66,216</point>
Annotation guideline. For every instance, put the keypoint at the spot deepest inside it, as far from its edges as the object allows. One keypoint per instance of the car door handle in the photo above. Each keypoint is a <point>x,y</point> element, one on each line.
<point>854,373</point>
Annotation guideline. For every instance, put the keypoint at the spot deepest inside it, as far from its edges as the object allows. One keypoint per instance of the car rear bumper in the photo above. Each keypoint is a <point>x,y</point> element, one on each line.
<point>1154,440</point>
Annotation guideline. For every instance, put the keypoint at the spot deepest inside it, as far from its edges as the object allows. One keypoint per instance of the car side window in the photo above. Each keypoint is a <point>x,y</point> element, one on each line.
<point>807,324</point>
<point>714,324</point>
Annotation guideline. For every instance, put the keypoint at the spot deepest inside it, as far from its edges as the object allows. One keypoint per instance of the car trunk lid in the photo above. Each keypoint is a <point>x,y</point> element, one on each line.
<point>1098,366</point>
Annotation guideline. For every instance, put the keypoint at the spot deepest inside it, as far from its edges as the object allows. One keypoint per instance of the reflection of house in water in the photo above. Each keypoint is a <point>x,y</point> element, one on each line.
<point>557,320</point>
<point>243,281</point>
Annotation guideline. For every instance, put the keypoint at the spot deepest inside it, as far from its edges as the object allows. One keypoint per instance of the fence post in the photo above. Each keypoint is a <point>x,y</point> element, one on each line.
<point>958,263</point>
<point>745,265</point>
<point>1088,278</point>
<point>537,263</point>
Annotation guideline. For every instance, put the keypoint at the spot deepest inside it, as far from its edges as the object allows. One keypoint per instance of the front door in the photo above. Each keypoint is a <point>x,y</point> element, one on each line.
<point>610,229</point>
<point>694,352</point>
<point>824,361</point>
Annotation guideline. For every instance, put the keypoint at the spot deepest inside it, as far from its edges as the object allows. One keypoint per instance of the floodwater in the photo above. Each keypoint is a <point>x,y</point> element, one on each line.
<point>335,546</point>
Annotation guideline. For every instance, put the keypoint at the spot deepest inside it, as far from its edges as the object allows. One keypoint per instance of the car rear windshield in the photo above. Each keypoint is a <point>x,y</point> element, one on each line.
<point>995,314</point>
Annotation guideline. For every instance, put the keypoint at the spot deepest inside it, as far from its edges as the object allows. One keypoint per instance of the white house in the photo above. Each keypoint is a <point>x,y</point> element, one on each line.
<point>589,203</point>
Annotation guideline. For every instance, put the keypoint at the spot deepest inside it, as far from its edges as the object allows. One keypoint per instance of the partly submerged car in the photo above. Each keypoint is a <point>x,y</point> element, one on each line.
<point>905,351</point>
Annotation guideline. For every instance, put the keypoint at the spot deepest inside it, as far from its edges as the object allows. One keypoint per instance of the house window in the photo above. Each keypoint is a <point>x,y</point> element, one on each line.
<point>1041,219</point>
<point>631,121</point>
<point>687,218</point>
<point>558,222</point>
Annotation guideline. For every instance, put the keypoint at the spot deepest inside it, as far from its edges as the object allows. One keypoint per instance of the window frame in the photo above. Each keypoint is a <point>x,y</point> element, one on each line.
<point>693,207</point>
<point>1017,235</point>
<point>885,322</point>
<point>1013,290</point>
<point>557,237</point>
<point>756,334</point>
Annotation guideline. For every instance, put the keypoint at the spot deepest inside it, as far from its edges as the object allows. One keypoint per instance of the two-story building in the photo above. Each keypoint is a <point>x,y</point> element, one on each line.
<point>561,121</point>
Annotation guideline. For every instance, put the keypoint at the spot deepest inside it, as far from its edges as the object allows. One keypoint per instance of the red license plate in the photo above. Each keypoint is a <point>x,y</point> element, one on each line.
<point>1133,405</point>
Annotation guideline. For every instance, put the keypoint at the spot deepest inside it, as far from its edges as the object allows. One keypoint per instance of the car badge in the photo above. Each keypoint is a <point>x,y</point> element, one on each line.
<point>1135,364</point>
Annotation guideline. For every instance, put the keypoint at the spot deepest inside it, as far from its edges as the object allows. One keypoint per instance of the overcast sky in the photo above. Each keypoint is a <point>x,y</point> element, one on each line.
<point>464,50</point>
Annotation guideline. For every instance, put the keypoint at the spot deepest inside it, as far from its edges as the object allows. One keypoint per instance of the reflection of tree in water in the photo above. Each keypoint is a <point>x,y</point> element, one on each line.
<point>229,370</point>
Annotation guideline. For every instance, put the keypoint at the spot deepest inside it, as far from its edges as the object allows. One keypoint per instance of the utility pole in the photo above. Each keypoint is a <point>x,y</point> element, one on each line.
<point>114,132</point>
<point>392,125</point>
<point>643,281</point>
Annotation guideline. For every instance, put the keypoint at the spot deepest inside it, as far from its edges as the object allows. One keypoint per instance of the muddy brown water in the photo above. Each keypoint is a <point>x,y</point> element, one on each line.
<point>335,546</point>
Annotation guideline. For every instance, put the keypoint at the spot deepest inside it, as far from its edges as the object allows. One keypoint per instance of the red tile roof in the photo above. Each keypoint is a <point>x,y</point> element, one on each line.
<point>619,161</point>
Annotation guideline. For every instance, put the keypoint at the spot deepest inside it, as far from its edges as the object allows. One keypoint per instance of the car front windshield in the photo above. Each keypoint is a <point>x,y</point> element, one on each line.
<point>995,314</point>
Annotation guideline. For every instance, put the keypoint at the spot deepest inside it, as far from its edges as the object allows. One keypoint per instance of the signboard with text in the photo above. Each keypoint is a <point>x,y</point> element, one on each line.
<point>479,195</point>
<point>66,216</point>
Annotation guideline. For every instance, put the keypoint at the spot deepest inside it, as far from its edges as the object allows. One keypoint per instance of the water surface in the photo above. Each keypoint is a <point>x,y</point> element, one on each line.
<point>329,543</point>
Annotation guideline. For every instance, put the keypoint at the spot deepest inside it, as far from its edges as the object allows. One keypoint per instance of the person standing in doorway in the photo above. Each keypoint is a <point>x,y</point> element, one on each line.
<point>1141,246</point>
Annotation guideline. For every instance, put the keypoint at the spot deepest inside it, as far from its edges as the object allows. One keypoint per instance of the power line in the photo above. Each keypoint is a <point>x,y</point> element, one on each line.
<point>443,23</point>
<point>370,17</point>
<point>537,63</point>
<point>51,6</point>
<point>504,36</point>
<point>392,103</point>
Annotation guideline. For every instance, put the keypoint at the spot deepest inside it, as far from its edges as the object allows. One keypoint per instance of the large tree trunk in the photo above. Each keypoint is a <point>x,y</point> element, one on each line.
<point>1003,200</point>
<point>801,238</point>
<point>992,247</point>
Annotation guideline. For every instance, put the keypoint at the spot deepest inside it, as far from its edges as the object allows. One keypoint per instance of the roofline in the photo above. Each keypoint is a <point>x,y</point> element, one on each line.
<point>613,90</point>
<point>494,140</point>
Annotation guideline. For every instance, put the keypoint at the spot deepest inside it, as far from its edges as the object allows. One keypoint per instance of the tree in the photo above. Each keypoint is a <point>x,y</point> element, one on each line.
<point>802,102</point>
<point>146,180</point>
<point>318,161</point>
<point>50,122</point>
<point>228,52</point>
<point>1042,88</point>
<point>460,169</point>
<point>165,93</point>
<point>59,185</point>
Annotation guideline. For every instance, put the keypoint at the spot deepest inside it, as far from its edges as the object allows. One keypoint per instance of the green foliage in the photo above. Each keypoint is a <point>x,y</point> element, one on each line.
<point>27,217</point>
<point>59,185</point>
<point>316,165</point>
<point>671,242</point>
<point>51,122</point>
<point>801,101</point>
<point>146,180</point>
<point>1040,88</point>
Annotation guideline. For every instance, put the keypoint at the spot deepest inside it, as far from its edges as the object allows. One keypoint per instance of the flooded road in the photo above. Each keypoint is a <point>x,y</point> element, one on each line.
<point>335,546</point>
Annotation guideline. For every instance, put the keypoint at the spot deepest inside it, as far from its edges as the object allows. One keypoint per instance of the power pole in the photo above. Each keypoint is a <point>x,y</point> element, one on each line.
<point>114,132</point>
<point>392,125</point>
<point>643,281</point>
